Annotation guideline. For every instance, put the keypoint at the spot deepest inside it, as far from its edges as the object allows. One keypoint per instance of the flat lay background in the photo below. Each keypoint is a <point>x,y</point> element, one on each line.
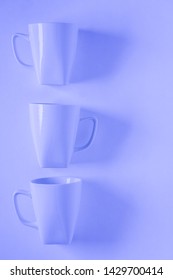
<point>123,74</point>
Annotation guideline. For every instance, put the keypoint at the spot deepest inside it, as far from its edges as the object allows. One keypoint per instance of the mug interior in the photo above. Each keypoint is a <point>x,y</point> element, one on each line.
<point>56,180</point>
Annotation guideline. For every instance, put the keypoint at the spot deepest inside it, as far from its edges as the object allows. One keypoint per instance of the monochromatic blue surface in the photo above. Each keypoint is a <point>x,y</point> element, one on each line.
<point>123,74</point>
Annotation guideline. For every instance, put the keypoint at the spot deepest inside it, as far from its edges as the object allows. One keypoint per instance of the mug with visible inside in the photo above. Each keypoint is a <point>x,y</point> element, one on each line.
<point>53,47</point>
<point>54,129</point>
<point>56,203</point>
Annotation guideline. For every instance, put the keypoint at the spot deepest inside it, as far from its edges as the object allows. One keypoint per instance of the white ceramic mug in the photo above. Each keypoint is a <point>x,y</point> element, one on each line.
<point>56,203</point>
<point>53,47</point>
<point>54,128</point>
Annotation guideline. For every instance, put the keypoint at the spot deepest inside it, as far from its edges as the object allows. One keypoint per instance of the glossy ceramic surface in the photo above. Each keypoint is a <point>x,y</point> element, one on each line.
<point>56,203</point>
<point>53,47</point>
<point>54,128</point>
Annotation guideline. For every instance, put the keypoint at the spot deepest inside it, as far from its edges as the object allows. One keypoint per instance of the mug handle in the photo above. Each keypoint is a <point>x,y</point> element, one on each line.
<point>23,221</point>
<point>95,124</point>
<point>14,38</point>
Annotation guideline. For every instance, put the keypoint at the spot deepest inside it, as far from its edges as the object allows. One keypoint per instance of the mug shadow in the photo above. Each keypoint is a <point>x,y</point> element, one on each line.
<point>105,214</point>
<point>98,55</point>
<point>110,138</point>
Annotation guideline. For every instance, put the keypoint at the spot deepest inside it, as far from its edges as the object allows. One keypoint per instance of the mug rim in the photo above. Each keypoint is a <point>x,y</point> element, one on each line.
<point>53,104</point>
<point>54,22</point>
<point>58,180</point>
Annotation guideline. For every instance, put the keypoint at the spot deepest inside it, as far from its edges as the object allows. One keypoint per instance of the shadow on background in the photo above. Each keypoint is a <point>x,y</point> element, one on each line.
<point>105,215</point>
<point>110,138</point>
<point>98,55</point>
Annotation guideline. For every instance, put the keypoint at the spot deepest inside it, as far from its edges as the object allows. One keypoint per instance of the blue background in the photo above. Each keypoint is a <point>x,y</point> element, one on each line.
<point>123,73</point>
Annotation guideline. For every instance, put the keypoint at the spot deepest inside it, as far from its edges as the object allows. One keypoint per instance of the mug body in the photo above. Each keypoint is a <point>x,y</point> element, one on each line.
<point>56,203</point>
<point>53,47</point>
<point>54,129</point>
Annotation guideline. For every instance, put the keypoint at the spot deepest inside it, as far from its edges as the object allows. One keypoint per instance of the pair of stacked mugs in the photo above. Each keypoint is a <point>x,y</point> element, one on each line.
<point>56,200</point>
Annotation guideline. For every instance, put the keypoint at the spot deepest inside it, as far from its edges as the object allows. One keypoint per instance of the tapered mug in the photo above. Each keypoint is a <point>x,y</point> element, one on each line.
<point>54,128</point>
<point>53,48</point>
<point>56,203</point>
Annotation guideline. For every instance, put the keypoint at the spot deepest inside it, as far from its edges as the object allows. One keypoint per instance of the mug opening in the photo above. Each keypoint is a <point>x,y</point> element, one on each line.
<point>74,24</point>
<point>53,104</point>
<point>55,180</point>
